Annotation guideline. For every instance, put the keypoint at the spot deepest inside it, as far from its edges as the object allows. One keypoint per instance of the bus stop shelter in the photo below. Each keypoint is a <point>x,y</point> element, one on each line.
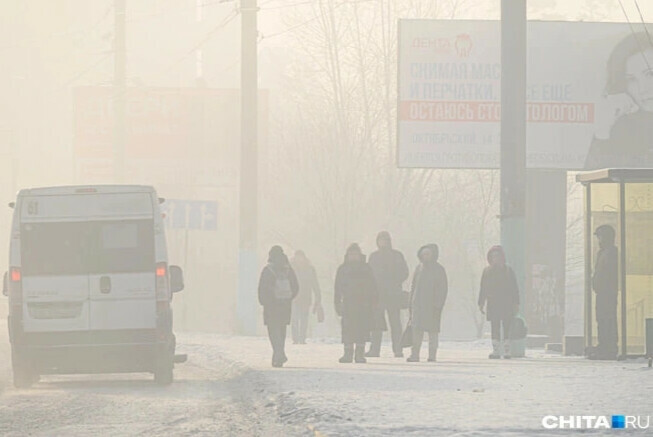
<point>622,198</point>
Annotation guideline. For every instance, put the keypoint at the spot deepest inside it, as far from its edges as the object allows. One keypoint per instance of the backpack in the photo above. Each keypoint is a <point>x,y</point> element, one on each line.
<point>282,287</point>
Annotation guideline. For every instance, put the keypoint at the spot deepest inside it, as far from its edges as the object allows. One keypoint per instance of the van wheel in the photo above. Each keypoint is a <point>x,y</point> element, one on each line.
<point>163,374</point>
<point>24,377</point>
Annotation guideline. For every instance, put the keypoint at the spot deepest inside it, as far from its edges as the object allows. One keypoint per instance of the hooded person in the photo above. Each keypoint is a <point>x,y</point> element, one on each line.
<point>605,282</point>
<point>276,289</point>
<point>390,271</point>
<point>309,294</point>
<point>500,292</point>
<point>354,299</point>
<point>429,289</point>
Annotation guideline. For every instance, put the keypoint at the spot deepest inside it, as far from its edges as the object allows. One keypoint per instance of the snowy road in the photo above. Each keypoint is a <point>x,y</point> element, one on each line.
<point>212,398</point>
<point>228,388</point>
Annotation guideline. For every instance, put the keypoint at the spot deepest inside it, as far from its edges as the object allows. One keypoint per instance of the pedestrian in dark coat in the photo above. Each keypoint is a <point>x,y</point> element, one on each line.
<point>605,283</point>
<point>499,290</point>
<point>277,288</point>
<point>354,298</point>
<point>390,272</point>
<point>309,294</point>
<point>429,291</point>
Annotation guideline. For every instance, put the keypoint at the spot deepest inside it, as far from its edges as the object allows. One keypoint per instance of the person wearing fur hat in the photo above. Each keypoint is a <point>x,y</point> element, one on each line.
<point>428,292</point>
<point>500,292</point>
<point>276,289</point>
<point>354,299</point>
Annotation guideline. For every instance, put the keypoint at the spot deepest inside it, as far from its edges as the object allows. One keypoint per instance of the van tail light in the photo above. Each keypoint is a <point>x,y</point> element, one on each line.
<point>162,286</point>
<point>163,312</point>
<point>161,270</point>
<point>16,275</point>
<point>15,286</point>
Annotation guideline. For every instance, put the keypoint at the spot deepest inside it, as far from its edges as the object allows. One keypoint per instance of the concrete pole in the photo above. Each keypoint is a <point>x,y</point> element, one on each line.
<point>248,267</point>
<point>513,139</point>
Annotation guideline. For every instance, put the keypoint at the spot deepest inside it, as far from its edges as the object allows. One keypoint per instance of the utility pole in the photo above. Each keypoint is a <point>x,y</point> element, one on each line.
<point>247,262</point>
<point>513,140</point>
<point>119,90</point>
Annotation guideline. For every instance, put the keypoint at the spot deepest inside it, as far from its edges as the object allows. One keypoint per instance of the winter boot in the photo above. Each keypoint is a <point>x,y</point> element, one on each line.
<point>359,355</point>
<point>506,350</point>
<point>496,350</point>
<point>433,348</point>
<point>414,352</point>
<point>375,345</point>
<point>348,357</point>
<point>413,358</point>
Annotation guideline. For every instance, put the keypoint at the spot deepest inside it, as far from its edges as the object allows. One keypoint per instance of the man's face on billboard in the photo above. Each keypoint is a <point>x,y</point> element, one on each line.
<point>639,79</point>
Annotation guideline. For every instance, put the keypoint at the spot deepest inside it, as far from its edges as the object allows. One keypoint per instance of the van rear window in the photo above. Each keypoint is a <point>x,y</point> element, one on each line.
<point>53,249</point>
<point>96,247</point>
<point>125,246</point>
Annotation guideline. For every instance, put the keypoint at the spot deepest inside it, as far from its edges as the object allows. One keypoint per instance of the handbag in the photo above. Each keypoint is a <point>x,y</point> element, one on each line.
<point>518,329</point>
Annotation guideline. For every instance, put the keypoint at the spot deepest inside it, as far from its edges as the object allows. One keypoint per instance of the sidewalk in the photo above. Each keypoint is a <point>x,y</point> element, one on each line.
<point>463,393</point>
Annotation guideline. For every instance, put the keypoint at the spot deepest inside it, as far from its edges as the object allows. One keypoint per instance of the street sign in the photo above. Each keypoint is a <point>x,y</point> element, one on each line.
<point>191,214</point>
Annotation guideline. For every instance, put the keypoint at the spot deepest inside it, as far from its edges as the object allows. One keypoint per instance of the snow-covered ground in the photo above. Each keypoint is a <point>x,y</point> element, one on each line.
<point>464,393</point>
<point>229,388</point>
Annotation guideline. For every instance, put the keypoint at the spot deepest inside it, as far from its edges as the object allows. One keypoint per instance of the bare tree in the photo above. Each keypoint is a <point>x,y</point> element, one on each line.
<point>332,159</point>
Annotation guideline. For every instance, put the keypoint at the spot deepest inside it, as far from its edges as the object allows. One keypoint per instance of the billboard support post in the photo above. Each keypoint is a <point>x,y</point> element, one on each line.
<point>119,87</point>
<point>247,261</point>
<point>513,141</point>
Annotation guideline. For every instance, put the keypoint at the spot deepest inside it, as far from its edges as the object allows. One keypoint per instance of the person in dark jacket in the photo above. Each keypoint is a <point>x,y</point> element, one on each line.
<point>605,283</point>
<point>390,272</point>
<point>277,288</point>
<point>354,298</point>
<point>499,290</point>
<point>309,293</point>
<point>428,291</point>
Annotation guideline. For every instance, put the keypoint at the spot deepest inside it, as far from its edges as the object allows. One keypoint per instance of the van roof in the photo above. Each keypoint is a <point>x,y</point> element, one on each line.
<point>86,189</point>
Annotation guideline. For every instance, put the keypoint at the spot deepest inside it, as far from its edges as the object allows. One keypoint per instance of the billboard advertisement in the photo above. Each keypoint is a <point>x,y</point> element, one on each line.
<point>589,95</point>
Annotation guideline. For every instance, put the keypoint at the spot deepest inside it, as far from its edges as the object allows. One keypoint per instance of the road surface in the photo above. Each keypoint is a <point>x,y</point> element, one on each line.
<point>211,398</point>
<point>228,388</point>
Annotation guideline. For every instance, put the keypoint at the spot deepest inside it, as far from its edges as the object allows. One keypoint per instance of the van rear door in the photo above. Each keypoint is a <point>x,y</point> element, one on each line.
<point>55,282</point>
<point>87,259</point>
<point>123,275</point>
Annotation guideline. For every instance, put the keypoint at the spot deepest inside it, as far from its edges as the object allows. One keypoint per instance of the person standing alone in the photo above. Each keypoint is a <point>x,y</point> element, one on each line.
<point>309,293</point>
<point>390,271</point>
<point>605,283</point>
<point>499,290</point>
<point>276,289</point>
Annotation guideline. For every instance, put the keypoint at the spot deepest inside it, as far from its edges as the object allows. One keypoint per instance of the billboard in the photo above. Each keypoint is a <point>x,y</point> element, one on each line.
<point>589,95</point>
